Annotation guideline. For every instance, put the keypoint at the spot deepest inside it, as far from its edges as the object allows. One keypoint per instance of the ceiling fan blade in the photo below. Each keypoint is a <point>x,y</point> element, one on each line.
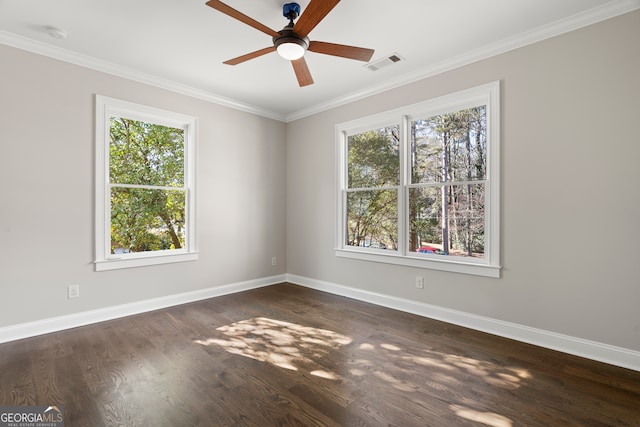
<point>228,10</point>
<point>302,72</point>
<point>351,52</point>
<point>248,56</point>
<point>312,15</point>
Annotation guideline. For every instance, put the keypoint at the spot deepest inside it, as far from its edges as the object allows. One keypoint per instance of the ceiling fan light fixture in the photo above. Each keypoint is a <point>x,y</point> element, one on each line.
<point>291,50</point>
<point>289,45</point>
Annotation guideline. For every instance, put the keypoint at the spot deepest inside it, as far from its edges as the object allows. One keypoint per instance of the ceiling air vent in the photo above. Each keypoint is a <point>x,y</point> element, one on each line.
<point>384,62</point>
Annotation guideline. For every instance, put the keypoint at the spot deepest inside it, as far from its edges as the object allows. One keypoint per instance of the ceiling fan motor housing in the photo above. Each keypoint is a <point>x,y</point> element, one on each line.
<point>288,36</point>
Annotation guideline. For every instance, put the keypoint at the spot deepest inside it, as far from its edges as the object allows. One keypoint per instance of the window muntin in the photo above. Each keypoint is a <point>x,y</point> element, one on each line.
<point>448,151</point>
<point>144,185</point>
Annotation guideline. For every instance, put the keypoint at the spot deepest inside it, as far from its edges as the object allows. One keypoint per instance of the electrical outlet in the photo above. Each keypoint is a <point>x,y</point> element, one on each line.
<point>73,291</point>
<point>419,282</point>
<point>274,261</point>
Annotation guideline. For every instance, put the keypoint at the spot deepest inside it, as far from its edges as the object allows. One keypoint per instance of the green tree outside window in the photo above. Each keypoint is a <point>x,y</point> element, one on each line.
<point>146,176</point>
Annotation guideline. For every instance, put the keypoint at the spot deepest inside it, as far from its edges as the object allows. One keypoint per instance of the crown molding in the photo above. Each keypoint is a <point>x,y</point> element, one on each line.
<point>93,63</point>
<point>592,16</point>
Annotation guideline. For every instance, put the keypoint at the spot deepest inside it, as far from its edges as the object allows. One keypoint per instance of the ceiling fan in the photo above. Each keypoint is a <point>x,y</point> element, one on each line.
<point>292,41</point>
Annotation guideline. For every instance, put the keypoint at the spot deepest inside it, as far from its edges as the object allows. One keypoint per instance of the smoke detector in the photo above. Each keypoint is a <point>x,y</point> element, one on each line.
<point>56,33</point>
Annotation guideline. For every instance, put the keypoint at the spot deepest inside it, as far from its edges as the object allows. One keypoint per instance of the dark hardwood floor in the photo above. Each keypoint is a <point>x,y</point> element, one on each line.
<point>290,356</point>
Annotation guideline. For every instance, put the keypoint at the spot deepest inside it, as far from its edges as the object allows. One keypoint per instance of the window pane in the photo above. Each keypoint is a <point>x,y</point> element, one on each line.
<point>447,220</point>
<point>449,147</point>
<point>372,219</point>
<point>145,153</point>
<point>374,158</point>
<point>147,220</point>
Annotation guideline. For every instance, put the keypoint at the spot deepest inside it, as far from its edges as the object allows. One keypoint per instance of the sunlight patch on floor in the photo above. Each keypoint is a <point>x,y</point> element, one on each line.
<point>488,418</point>
<point>325,374</point>
<point>430,362</point>
<point>409,369</point>
<point>286,345</point>
<point>445,369</point>
<point>440,371</point>
<point>390,347</point>
<point>491,373</point>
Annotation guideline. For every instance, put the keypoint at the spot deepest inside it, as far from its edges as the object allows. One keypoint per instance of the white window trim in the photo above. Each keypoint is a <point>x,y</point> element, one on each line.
<point>108,107</point>
<point>489,266</point>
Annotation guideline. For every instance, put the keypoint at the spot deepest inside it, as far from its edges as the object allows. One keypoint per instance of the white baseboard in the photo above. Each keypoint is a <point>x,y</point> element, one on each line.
<point>617,356</point>
<point>26,330</point>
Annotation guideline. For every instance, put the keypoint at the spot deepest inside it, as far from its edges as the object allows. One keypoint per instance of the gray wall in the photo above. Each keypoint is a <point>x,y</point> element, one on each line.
<point>47,196</point>
<point>570,189</point>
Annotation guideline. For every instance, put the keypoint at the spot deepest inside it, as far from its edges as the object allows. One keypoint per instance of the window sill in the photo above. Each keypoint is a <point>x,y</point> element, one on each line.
<point>419,262</point>
<point>143,261</point>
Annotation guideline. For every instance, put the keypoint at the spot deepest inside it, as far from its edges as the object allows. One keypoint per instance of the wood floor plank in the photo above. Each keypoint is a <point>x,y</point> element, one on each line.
<point>289,356</point>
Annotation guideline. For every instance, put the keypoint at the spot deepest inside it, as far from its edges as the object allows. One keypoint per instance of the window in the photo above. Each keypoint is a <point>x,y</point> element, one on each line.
<point>419,185</point>
<point>145,190</point>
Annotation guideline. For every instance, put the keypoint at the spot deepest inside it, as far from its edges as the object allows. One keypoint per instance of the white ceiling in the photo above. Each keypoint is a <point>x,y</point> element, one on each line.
<point>181,44</point>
